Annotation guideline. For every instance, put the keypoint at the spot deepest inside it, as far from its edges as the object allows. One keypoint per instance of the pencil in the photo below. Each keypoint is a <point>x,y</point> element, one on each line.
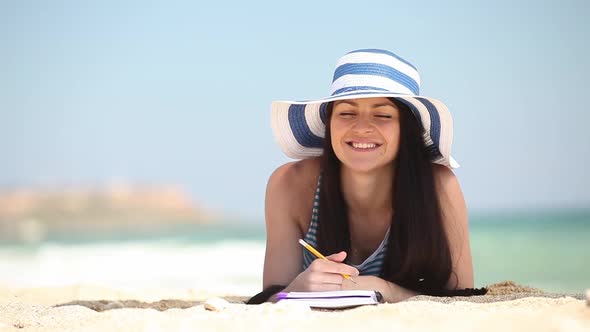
<point>320,256</point>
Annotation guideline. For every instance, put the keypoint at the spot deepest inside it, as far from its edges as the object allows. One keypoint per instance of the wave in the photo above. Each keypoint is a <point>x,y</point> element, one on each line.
<point>233,267</point>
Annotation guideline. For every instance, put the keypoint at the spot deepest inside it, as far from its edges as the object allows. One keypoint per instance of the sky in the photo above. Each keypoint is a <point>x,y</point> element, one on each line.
<point>179,92</point>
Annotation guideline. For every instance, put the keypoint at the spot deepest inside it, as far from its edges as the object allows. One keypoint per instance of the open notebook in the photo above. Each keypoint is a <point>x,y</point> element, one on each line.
<point>336,299</point>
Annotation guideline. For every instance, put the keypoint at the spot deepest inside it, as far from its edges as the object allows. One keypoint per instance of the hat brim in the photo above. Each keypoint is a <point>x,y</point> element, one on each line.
<point>299,126</point>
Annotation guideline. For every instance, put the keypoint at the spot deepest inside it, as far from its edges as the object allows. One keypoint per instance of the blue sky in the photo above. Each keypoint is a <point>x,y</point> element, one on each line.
<point>178,92</point>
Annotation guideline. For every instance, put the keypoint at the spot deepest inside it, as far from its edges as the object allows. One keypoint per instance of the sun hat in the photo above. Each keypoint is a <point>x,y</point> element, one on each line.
<point>299,126</point>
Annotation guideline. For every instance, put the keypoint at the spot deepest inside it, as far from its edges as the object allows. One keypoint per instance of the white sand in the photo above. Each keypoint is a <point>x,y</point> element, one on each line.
<point>34,310</point>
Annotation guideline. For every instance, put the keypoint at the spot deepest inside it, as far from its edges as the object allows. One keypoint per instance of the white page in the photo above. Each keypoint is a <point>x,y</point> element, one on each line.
<point>335,299</point>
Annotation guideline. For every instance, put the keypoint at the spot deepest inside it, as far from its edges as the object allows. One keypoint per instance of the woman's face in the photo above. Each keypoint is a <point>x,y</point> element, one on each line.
<point>365,132</point>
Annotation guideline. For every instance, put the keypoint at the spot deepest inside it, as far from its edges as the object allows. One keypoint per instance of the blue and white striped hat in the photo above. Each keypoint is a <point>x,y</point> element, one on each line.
<point>299,126</point>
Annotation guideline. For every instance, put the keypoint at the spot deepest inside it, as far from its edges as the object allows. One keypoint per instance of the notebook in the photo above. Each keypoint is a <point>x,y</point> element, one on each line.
<point>333,300</point>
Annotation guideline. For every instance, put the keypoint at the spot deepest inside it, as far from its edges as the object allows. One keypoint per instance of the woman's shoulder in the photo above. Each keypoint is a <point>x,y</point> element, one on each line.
<point>291,190</point>
<point>444,177</point>
<point>296,176</point>
<point>450,193</point>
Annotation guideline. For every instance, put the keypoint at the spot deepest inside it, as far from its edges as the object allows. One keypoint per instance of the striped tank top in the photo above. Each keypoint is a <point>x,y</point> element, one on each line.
<point>373,265</point>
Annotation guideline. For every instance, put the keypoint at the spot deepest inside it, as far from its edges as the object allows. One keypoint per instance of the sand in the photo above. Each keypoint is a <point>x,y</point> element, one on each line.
<point>508,307</point>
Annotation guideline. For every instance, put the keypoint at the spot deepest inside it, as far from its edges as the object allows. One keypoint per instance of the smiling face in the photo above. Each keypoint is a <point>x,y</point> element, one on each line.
<point>365,132</point>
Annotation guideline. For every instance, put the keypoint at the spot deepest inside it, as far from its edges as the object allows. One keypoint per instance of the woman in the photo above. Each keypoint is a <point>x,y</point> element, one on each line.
<point>374,189</point>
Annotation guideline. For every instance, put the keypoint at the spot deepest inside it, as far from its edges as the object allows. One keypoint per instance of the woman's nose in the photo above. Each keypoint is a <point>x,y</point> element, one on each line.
<point>363,124</point>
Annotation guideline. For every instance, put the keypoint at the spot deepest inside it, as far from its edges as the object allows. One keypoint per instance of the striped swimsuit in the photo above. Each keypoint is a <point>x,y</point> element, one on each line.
<point>373,265</point>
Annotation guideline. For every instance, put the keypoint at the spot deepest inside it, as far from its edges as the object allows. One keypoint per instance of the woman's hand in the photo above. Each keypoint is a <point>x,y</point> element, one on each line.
<point>323,275</point>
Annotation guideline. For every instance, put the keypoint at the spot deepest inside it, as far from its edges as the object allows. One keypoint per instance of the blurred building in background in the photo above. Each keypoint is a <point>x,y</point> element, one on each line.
<point>29,215</point>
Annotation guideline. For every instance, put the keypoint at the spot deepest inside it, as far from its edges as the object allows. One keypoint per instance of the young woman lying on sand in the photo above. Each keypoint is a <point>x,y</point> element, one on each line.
<point>374,188</point>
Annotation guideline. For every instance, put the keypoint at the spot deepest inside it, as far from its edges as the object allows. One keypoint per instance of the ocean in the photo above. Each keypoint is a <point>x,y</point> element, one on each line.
<point>550,251</point>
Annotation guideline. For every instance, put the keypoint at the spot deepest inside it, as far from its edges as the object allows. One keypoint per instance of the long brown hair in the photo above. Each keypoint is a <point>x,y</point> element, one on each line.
<point>418,255</point>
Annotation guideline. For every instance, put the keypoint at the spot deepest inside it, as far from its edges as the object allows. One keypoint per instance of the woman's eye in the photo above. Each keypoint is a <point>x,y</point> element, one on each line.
<point>384,116</point>
<point>346,114</point>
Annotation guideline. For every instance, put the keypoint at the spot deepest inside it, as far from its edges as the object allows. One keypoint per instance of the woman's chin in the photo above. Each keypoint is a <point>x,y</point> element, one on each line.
<point>362,166</point>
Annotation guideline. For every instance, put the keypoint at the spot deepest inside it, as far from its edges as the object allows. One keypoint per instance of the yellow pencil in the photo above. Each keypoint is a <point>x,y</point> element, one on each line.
<point>320,256</point>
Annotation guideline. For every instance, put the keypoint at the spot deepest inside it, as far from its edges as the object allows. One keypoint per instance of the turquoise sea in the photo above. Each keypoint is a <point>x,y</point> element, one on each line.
<point>550,251</point>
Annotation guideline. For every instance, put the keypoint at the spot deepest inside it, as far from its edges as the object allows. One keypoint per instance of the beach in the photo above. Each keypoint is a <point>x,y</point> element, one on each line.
<point>95,308</point>
<point>162,282</point>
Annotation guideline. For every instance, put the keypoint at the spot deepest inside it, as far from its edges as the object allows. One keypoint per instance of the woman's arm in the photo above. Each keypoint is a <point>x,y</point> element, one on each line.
<point>454,214</point>
<point>391,292</point>
<point>289,197</point>
<point>283,258</point>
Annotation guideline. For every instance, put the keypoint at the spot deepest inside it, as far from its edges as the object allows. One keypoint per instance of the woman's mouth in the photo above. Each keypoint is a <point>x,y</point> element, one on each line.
<point>363,146</point>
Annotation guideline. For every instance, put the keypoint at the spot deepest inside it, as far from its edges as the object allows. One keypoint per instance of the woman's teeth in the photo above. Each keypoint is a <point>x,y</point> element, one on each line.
<point>363,145</point>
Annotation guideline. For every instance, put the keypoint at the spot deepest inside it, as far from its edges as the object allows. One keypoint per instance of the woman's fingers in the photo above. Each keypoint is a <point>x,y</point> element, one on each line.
<point>324,274</point>
<point>322,265</point>
<point>324,287</point>
<point>326,278</point>
<point>322,281</point>
<point>338,257</point>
